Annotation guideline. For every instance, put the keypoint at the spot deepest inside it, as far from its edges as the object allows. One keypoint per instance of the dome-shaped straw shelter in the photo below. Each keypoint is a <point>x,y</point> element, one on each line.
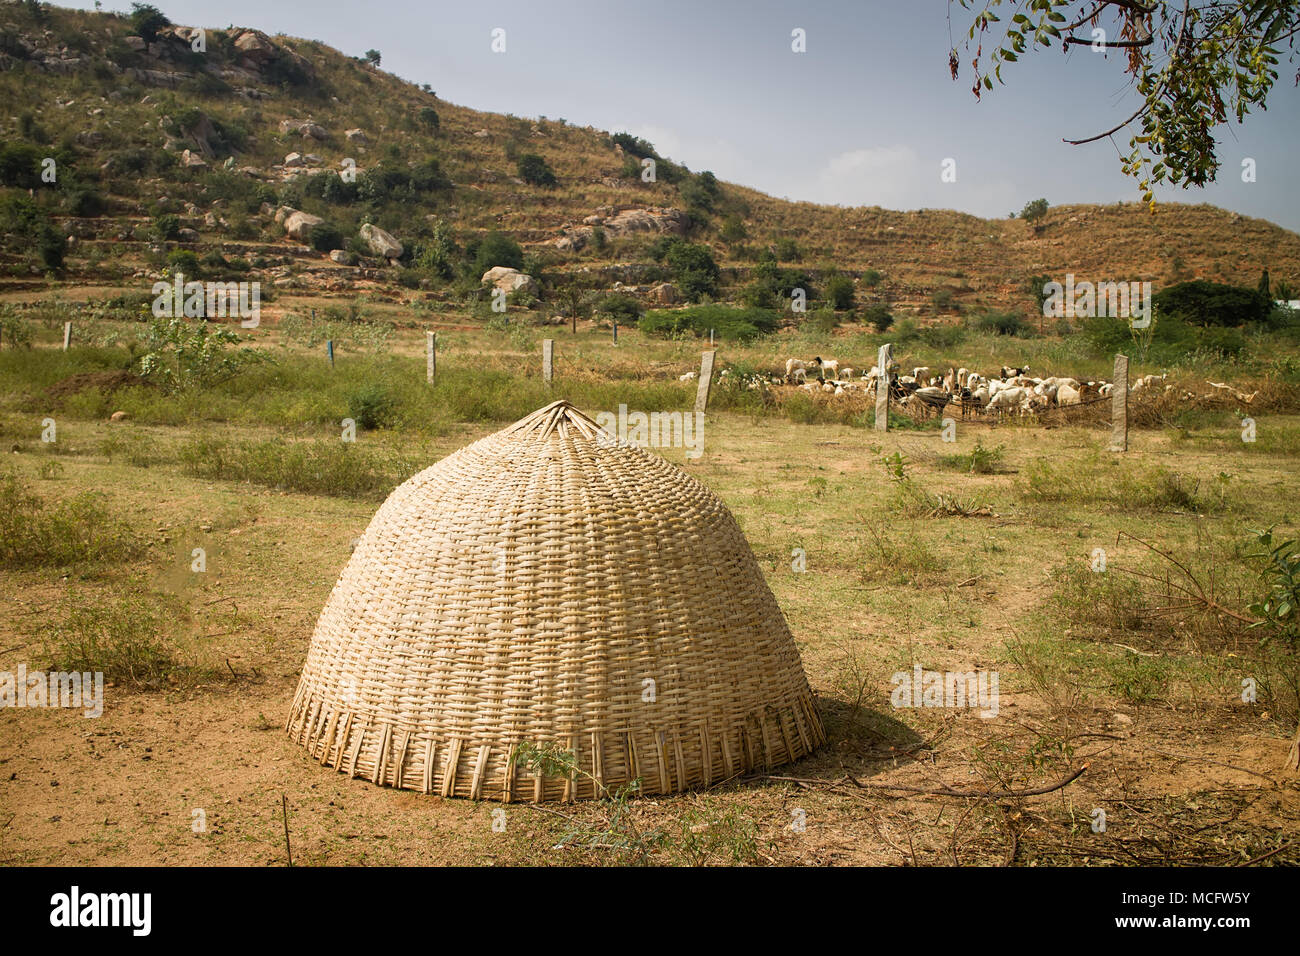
<point>551,585</point>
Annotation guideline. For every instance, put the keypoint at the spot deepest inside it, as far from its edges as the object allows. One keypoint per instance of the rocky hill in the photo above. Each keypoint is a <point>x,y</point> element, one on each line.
<point>282,159</point>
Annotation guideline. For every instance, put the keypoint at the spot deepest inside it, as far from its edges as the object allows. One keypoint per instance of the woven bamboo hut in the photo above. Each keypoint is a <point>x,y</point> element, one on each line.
<point>552,585</point>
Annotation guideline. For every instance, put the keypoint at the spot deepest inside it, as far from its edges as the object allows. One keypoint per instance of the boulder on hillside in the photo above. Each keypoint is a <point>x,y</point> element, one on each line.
<point>255,46</point>
<point>299,225</point>
<point>314,131</point>
<point>193,160</point>
<point>357,136</point>
<point>381,243</point>
<point>135,43</point>
<point>343,257</point>
<point>510,280</point>
<point>665,293</point>
<point>295,159</point>
<point>575,241</point>
<point>670,221</point>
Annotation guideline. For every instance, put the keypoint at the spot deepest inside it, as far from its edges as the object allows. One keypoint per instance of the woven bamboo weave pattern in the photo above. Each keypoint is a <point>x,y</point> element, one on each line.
<point>548,584</point>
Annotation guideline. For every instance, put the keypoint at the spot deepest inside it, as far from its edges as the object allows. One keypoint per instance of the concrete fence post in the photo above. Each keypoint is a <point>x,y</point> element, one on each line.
<point>706,381</point>
<point>1119,406</point>
<point>884,359</point>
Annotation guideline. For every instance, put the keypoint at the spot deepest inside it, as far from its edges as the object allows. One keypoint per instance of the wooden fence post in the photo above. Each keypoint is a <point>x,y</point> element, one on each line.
<point>1119,406</point>
<point>706,381</point>
<point>329,347</point>
<point>548,360</point>
<point>67,335</point>
<point>884,359</point>
<point>430,356</point>
<point>616,331</point>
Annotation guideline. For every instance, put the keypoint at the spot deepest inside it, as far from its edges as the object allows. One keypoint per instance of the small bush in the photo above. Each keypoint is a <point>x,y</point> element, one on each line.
<point>495,249</point>
<point>740,325</point>
<point>625,308</point>
<point>978,461</point>
<point>838,291</point>
<point>787,250</point>
<point>371,407</point>
<point>326,237</point>
<point>878,317</point>
<point>123,637</point>
<point>533,169</point>
<point>320,467</point>
<point>166,227</point>
<point>1034,210</point>
<point>1002,323</point>
<point>35,533</point>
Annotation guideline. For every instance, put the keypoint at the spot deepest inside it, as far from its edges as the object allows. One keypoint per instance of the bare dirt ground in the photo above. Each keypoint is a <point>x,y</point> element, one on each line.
<point>1185,772</point>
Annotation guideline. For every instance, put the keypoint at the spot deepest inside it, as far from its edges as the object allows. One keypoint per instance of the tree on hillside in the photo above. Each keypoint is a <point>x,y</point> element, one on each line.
<point>533,169</point>
<point>373,57</point>
<point>147,20</point>
<point>1193,63</point>
<point>1034,210</point>
<point>495,249</point>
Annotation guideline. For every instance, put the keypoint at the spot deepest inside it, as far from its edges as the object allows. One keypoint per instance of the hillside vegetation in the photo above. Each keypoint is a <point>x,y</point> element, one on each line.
<point>169,155</point>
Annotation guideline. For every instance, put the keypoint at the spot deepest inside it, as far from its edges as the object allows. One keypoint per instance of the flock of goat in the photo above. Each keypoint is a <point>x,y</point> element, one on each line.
<point>1013,391</point>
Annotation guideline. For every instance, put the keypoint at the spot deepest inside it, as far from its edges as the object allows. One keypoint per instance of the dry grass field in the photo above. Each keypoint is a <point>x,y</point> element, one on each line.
<point>973,555</point>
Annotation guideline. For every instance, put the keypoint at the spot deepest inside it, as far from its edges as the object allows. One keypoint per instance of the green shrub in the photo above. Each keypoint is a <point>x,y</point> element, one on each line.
<point>534,170</point>
<point>1034,210</point>
<point>733,230</point>
<point>878,317</point>
<point>181,355</point>
<point>495,249</point>
<point>822,321</point>
<point>634,146</point>
<point>1205,303</point>
<point>20,166</point>
<point>326,237</point>
<point>787,250</point>
<point>331,467</point>
<point>625,308</point>
<point>27,226</point>
<point>838,291</point>
<point>942,336</point>
<point>146,20</point>
<point>123,637</point>
<point>944,301</point>
<point>166,227</point>
<point>185,262</point>
<point>371,407</point>
<point>35,533</point>
<point>15,330</point>
<point>1002,323</point>
<point>693,269</point>
<point>741,325</point>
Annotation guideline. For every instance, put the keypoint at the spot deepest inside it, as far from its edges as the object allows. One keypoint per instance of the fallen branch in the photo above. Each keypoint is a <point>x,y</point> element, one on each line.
<point>939,791</point>
<point>1284,846</point>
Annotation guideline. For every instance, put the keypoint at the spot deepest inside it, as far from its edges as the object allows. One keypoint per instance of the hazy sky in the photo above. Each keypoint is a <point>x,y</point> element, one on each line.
<point>865,117</point>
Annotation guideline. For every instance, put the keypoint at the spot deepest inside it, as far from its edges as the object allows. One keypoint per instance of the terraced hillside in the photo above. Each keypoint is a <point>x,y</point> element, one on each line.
<point>160,147</point>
